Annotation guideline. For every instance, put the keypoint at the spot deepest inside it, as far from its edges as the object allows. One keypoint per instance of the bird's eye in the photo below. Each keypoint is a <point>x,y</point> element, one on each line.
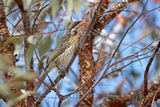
<point>73,32</point>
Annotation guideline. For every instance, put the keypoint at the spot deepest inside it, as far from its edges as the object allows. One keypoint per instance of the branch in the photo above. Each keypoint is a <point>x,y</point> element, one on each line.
<point>103,20</point>
<point>147,70</point>
<point>6,47</point>
<point>26,24</point>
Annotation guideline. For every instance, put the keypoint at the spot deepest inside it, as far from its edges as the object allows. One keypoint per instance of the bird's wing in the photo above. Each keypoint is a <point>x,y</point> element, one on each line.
<point>55,54</point>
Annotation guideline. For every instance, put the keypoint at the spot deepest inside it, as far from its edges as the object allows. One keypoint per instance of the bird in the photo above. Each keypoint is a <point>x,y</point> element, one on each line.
<point>63,53</point>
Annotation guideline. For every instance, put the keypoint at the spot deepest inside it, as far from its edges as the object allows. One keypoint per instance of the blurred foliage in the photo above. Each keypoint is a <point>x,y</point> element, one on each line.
<point>44,45</point>
<point>29,55</point>
<point>18,39</point>
<point>72,5</point>
<point>55,6</point>
<point>16,82</point>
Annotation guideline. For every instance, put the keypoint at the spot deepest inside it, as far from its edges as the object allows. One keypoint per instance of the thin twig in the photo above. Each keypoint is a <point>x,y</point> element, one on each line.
<point>147,70</point>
